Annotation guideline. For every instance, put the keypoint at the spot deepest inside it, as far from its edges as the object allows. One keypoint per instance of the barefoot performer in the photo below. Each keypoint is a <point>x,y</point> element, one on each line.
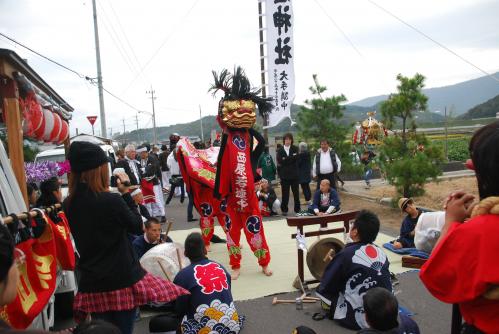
<point>235,175</point>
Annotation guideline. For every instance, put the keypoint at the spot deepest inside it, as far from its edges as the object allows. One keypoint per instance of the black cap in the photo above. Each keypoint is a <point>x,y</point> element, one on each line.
<point>85,156</point>
<point>6,252</point>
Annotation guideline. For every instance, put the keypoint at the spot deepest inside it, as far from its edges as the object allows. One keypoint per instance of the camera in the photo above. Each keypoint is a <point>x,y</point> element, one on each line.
<point>114,178</point>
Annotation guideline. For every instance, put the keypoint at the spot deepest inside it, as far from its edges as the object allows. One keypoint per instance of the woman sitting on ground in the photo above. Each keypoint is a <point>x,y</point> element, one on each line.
<point>463,266</point>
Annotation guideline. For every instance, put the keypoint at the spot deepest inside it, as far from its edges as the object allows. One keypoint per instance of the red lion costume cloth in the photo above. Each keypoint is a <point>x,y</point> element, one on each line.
<point>199,176</point>
<point>235,171</point>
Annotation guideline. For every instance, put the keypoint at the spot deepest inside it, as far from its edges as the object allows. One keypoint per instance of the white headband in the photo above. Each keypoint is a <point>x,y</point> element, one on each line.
<point>142,149</point>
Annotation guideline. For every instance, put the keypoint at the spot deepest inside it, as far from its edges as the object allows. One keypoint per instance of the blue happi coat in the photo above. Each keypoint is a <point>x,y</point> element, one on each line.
<point>353,271</point>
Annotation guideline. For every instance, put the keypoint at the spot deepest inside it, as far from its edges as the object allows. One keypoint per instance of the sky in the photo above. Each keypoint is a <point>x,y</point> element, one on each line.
<point>172,46</point>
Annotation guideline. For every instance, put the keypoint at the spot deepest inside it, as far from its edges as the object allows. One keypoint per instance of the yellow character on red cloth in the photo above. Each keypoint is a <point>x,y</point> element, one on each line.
<point>235,170</point>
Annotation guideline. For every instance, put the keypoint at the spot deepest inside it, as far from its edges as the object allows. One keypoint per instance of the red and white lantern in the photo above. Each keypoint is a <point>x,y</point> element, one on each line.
<point>64,132</point>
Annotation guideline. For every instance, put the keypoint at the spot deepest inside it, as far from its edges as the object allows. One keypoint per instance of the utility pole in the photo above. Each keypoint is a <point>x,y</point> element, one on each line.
<point>137,124</point>
<point>99,75</point>
<point>201,124</point>
<point>153,114</point>
<point>124,129</point>
<point>262,68</point>
<point>110,133</point>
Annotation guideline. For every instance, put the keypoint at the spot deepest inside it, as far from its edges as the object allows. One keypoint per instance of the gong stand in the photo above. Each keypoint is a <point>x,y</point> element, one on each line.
<point>322,221</point>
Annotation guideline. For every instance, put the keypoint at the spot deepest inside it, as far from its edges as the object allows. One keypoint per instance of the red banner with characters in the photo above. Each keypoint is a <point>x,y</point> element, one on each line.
<point>65,253</point>
<point>37,280</point>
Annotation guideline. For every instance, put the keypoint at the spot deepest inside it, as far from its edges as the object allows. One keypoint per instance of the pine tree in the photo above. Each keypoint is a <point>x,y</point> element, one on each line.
<point>319,119</point>
<point>408,159</point>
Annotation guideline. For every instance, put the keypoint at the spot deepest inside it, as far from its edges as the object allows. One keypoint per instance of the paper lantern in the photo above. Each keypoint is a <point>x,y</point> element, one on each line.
<point>49,124</point>
<point>64,132</point>
<point>56,130</point>
<point>38,120</point>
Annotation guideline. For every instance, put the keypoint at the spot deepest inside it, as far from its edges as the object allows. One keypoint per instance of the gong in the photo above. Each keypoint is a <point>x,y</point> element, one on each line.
<point>319,255</point>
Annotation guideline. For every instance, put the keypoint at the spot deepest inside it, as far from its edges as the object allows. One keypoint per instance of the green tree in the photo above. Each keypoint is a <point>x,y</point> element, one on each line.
<point>408,159</point>
<point>319,119</point>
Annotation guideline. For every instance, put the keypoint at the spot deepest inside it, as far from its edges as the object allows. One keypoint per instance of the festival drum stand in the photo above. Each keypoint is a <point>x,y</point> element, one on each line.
<point>323,250</point>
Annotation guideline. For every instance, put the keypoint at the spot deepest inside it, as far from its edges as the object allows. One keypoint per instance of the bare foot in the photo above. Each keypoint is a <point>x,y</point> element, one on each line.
<point>235,274</point>
<point>266,270</point>
<point>208,248</point>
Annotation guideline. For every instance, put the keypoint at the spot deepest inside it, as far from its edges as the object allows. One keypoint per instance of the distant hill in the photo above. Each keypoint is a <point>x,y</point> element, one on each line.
<point>463,96</point>
<point>351,115</point>
<point>484,110</point>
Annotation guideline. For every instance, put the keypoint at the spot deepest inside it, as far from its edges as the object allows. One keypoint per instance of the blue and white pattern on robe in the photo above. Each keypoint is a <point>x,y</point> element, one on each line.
<point>353,271</point>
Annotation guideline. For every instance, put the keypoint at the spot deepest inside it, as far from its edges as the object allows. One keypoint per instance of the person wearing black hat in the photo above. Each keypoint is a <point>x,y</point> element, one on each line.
<point>112,282</point>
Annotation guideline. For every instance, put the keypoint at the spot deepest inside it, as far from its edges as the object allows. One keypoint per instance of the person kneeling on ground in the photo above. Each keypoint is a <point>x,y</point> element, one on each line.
<point>267,199</point>
<point>151,237</point>
<point>210,286</point>
<point>325,201</point>
<point>382,314</point>
<point>407,232</point>
<point>358,267</point>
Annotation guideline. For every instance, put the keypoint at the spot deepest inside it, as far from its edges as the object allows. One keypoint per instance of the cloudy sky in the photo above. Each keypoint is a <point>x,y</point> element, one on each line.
<point>173,46</point>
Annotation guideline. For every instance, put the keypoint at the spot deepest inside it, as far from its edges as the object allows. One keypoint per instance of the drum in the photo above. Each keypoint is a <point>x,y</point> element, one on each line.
<point>163,260</point>
<point>320,254</point>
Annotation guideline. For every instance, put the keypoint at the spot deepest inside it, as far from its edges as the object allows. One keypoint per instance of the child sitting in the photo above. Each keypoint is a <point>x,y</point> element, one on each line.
<point>382,314</point>
<point>267,199</point>
<point>354,270</point>
<point>325,201</point>
<point>406,238</point>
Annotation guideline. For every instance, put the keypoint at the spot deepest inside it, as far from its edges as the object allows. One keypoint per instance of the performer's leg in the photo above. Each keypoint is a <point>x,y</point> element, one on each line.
<point>296,195</point>
<point>233,238</point>
<point>255,235</point>
<point>207,230</point>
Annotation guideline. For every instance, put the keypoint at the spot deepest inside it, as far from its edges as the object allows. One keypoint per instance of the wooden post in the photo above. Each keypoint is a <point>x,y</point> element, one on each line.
<point>13,121</point>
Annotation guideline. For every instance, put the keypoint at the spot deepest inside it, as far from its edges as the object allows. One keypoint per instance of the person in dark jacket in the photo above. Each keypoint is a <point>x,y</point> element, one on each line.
<point>163,157</point>
<point>150,238</point>
<point>304,171</point>
<point>326,200</point>
<point>358,267</point>
<point>382,314</point>
<point>50,193</point>
<point>267,199</point>
<point>100,222</point>
<point>287,160</point>
<point>407,230</point>
<point>131,165</point>
<point>151,172</point>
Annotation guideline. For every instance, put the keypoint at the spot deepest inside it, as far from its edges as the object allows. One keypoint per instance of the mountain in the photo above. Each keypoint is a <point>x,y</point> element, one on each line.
<point>351,115</point>
<point>462,96</point>
<point>484,110</point>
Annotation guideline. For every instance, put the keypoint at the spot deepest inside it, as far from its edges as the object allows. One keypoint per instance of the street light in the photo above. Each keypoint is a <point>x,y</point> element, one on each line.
<point>153,123</point>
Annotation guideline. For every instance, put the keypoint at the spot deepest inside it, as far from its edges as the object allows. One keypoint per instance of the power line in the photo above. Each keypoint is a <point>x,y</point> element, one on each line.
<point>120,26</point>
<point>87,78</point>
<point>179,23</point>
<point>339,29</point>
<point>434,41</point>
<point>116,41</point>
<point>44,57</point>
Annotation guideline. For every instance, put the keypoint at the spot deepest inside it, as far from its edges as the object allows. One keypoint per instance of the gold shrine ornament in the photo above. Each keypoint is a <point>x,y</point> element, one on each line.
<point>238,113</point>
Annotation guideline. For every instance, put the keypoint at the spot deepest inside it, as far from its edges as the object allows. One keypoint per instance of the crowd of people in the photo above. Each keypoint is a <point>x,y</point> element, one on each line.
<point>356,288</point>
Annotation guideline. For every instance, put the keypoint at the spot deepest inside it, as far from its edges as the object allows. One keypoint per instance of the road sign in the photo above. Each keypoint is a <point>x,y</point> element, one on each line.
<point>92,119</point>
